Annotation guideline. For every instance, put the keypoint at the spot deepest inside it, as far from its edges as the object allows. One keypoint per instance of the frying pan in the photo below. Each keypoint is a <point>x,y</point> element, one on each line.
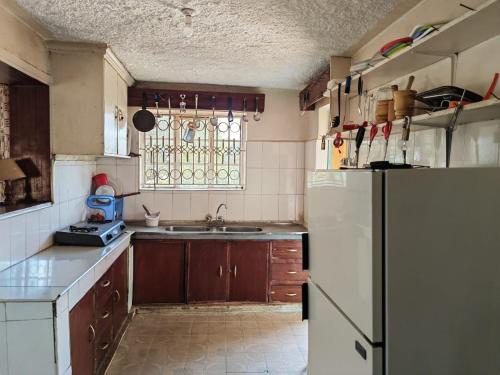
<point>144,120</point>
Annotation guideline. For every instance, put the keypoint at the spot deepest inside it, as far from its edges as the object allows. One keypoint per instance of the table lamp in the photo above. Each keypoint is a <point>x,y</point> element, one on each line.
<point>30,171</point>
<point>9,171</point>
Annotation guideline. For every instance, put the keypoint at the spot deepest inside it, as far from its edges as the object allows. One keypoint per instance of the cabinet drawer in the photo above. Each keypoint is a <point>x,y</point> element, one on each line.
<point>103,345</point>
<point>283,293</point>
<point>104,316</point>
<point>286,250</point>
<point>104,288</point>
<point>288,272</point>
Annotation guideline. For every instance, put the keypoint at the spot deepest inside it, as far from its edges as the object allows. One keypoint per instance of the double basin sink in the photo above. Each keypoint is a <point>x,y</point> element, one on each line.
<point>212,229</point>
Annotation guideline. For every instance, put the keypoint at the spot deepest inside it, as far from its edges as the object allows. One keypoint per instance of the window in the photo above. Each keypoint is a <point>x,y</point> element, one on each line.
<point>213,160</point>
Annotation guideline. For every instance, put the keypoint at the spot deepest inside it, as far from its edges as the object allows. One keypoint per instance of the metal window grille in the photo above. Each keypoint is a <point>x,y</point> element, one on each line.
<point>214,160</point>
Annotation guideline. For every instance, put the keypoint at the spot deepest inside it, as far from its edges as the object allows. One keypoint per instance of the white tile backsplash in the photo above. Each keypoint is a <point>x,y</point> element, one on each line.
<point>288,181</point>
<point>287,155</point>
<point>272,169</point>
<point>254,154</point>
<point>270,207</point>
<point>26,234</point>
<point>253,207</point>
<point>270,155</point>
<point>286,207</point>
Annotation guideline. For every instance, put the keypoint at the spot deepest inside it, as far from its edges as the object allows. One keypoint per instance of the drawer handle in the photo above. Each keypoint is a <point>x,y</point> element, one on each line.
<point>292,250</point>
<point>235,271</point>
<point>220,271</point>
<point>106,283</point>
<point>105,346</point>
<point>273,292</point>
<point>92,333</point>
<point>291,294</point>
<point>291,272</point>
<point>118,296</point>
<point>106,315</point>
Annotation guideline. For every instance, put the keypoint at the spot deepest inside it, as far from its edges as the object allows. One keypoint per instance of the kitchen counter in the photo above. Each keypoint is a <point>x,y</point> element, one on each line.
<point>56,270</point>
<point>270,231</point>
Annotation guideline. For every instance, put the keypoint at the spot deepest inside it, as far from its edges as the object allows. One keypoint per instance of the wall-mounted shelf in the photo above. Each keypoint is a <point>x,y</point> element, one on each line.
<point>475,112</point>
<point>460,34</point>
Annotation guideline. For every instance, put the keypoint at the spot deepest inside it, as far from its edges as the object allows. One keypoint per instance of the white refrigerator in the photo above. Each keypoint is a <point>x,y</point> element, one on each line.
<point>404,272</point>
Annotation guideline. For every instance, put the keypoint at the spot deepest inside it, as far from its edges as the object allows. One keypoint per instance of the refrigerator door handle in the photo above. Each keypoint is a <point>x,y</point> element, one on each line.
<point>305,301</point>
<point>305,251</point>
<point>360,349</point>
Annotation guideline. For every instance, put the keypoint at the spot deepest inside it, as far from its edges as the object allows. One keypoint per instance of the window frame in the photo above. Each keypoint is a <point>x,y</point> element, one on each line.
<point>241,186</point>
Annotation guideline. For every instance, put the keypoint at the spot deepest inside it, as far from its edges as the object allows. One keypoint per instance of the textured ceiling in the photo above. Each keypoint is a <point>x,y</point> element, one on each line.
<point>262,43</point>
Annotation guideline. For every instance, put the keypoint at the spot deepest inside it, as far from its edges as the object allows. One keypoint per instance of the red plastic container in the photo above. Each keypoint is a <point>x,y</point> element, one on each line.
<point>100,179</point>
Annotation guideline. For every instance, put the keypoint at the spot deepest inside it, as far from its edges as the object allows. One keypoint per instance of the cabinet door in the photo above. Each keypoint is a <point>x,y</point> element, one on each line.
<point>159,272</point>
<point>122,118</point>
<point>207,271</point>
<point>110,123</point>
<point>248,271</point>
<point>82,335</point>
<point>120,293</point>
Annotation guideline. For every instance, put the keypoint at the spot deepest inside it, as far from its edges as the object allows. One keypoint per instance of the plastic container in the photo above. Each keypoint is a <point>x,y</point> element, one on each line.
<point>152,221</point>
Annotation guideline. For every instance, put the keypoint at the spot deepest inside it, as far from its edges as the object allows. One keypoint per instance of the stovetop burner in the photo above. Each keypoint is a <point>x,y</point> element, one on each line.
<point>74,228</point>
<point>90,234</point>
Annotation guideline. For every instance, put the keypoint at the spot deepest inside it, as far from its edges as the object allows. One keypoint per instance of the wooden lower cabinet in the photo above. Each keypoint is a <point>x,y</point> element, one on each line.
<point>248,271</point>
<point>286,271</point>
<point>83,335</point>
<point>159,271</point>
<point>207,271</point>
<point>97,320</point>
<point>180,271</point>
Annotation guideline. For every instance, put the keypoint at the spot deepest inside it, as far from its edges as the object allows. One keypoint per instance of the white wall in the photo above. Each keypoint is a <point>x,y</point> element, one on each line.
<point>24,235</point>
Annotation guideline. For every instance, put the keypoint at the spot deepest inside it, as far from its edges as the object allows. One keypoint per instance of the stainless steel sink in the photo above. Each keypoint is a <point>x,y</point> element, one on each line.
<point>187,228</point>
<point>239,229</point>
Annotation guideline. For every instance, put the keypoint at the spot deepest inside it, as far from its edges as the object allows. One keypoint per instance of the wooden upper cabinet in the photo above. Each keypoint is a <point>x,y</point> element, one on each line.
<point>207,270</point>
<point>88,93</point>
<point>159,272</point>
<point>248,271</point>
<point>110,109</point>
<point>83,335</point>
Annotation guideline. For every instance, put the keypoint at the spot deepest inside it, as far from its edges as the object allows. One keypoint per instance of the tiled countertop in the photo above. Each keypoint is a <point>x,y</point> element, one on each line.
<point>270,231</point>
<point>52,272</point>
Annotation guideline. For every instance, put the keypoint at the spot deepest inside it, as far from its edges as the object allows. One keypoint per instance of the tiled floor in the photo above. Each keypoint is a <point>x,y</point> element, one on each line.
<point>173,342</point>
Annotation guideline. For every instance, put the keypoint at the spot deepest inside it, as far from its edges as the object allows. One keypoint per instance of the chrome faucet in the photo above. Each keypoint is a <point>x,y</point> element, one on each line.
<point>220,218</point>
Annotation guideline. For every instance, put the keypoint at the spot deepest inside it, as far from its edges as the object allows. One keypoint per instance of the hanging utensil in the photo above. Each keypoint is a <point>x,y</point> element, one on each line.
<point>347,91</point>
<point>373,134</point>
<point>182,104</point>
<point>360,93</point>
<point>257,116</point>
<point>144,120</point>
<point>360,135</point>
<point>230,116</point>
<point>192,126</point>
<point>405,136</point>
<point>244,118</point>
<point>338,142</point>
<point>386,130</point>
<point>213,120</point>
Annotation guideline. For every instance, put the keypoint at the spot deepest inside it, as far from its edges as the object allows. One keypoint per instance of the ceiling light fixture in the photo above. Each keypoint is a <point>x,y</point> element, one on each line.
<point>188,22</point>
